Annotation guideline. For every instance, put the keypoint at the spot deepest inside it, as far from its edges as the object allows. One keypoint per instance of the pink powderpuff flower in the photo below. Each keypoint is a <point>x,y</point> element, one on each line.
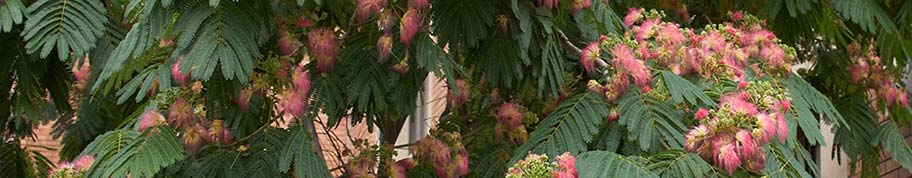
<point>903,98</point>
<point>589,55</point>
<point>645,30</point>
<point>397,171</point>
<point>694,137</point>
<point>785,104</point>
<point>243,99</point>
<point>737,103</point>
<point>782,128</point>
<point>366,8</point>
<point>419,4</point>
<point>409,26</point>
<point>407,164</point>
<point>701,114</point>
<point>301,79</point>
<point>385,47</point>
<point>82,72</point>
<point>633,15</point>
<point>625,59</point>
<point>580,5</point>
<point>464,92</point>
<point>293,103</point>
<point>302,22</point>
<point>766,128</point>
<point>181,78</point>
<point>747,146</point>
<point>728,158</point>
<point>462,163</point>
<point>193,138</point>
<point>549,4</point>
<point>670,35</point>
<point>83,162</point>
<point>858,72</point>
<point>324,47</point>
<point>566,163</point>
<point>218,133</point>
<point>773,55</point>
<point>149,119</point>
<point>737,16</point>
<point>180,114</point>
<point>432,150</point>
<point>713,40</point>
<point>288,44</point>
<point>386,21</point>
<point>510,115</point>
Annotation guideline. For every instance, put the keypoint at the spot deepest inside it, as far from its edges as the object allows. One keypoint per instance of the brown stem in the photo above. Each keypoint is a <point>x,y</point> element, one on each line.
<point>567,42</point>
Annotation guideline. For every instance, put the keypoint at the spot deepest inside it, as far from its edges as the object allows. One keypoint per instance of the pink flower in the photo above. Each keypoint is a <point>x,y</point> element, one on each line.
<point>626,61</point>
<point>728,158</point>
<point>713,40</point>
<point>695,137</point>
<point>302,22</point>
<point>82,72</point>
<point>83,162</point>
<point>397,171</point>
<point>408,27</point>
<point>549,4</point>
<point>149,119</point>
<point>613,115</point>
<point>243,100</point>
<point>589,55</point>
<point>407,164</point>
<point>701,114</point>
<point>580,5</point>
<point>767,127</point>
<point>162,42</point>
<point>301,79</point>
<point>386,21</point>
<point>670,35</point>
<point>746,144</point>
<point>737,16</point>
<point>293,103</point>
<point>633,15</point>
<point>738,103</point>
<point>193,138</point>
<point>419,4</point>
<point>903,98</point>
<point>645,30</point>
<point>785,104</point>
<point>773,55</point>
<point>176,73</point>
<point>385,46</point>
<point>462,163</point>
<point>324,47</point>
<point>858,72</point>
<point>180,114</point>
<point>456,99</point>
<point>510,115</point>
<point>288,44</point>
<point>218,133</point>
<point>368,7</point>
<point>566,163</point>
<point>742,84</point>
<point>782,128</point>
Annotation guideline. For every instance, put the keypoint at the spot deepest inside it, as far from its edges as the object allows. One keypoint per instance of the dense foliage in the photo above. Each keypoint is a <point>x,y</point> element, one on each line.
<point>537,88</point>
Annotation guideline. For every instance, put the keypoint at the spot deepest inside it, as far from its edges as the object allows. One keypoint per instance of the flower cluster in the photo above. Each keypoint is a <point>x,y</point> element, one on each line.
<point>538,166</point>
<point>77,168</point>
<point>446,155</point>
<point>510,123</point>
<point>733,135</point>
<point>182,78</point>
<point>457,99</point>
<point>324,47</point>
<point>82,72</point>
<point>366,8</point>
<point>723,51</point>
<point>868,72</point>
<point>294,100</point>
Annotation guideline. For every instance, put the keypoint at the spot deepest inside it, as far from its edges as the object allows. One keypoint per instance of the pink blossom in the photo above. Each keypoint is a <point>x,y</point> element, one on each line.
<point>625,60</point>
<point>366,8</point>
<point>288,44</point>
<point>510,115</point>
<point>83,162</point>
<point>293,103</point>
<point>746,144</point>
<point>408,27</point>
<point>385,46</point>
<point>180,114</point>
<point>176,73</point>
<point>728,158</point>
<point>670,35</point>
<point>737,16</point>
<point>386,21</point>
<point>695,137</point>
<point>566,164</point>
<point>701,114</point>
<point>456,99</point>
<point>324,47</point>
<point>580,4</point>
<point>301,79</point>
<point>407,164</point>
<point>767,127</point>
<point>613,115</point>
<point>589,55</point>
<point>633,15</point>
<point>162,42</point>
<point>786,104</point>
<point>713,40</point>
<point>243,99</point>
<point>82,72</point>
<point>462,163</point>
<point>193,138</point>
<point>858,72</point>
<point>419,4</point>
<point>397,171</point>
<point>782,128</point>
<point>903,98</point>
<point>149,119</point>
<point>773,55</point>
<point>738,103</point>
<point>302,22</point>
<point>889,94</point>
<point>218,132</point>
<point>645,30</point>
<point>549,4</point>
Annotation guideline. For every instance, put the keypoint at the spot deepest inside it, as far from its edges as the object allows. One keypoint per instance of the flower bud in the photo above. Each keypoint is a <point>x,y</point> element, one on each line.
<point>165,42</point>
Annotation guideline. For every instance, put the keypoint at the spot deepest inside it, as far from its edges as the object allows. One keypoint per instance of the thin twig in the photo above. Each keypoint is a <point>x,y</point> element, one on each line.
<point>567,42</point>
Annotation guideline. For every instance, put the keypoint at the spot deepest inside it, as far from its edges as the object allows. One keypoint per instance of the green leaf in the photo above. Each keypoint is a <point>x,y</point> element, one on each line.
<point>596,20</point>
<point>227,36</point>
<point>307,164</point>
<point>143,36</point>
<point>67,25</point>
<point>867,14</point>
<point>550,72</point>
<point>681,89</point>
<point>462,23</point>
<point>677,163</point>
<point>806,98</point>
<point>569,128</point>
<point>609,164</point>
<point>781,161</point>
<point>894,142</point>
<point>11,13</point>
<point>648,120</point>
<point>123,152</point>
<point>432,58</point>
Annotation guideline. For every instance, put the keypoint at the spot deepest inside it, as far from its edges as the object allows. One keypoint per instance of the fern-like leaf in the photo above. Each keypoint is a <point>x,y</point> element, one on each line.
<point>124,152</point>
<point>11,13</point>
<point>434,59</point>
<point>866,13</point>
<point>67,25</point>
<point>569,128</point>
<point>894,142</point>
<point>677,163</point>
<point>464,22</point>
<point>307,164</point>
<point>806,98</point>
<point>227,36</point>
<point>610,164</point>
<point>682,90</point>
<point>648,120</point>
